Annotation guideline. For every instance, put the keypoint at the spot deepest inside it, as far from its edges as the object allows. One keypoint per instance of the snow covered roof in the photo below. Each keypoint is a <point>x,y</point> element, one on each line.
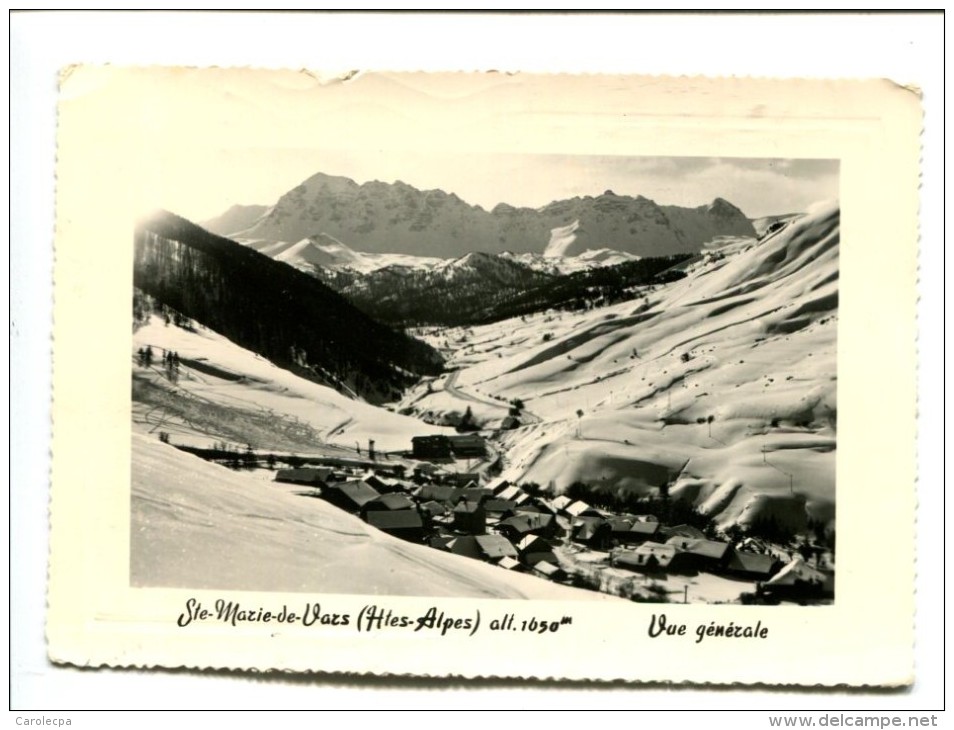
<point>510,492</point>
<point>548,569</point>
<point>496,546</point>
<point>577,508</point>
<point>495,485</point>
<point>706,548</point>
<point>795,572</point>
<point>644,528</point>
<point>661,555</point>
<point>528,541</point>
<point>356,492</point>
<point>561,502</point>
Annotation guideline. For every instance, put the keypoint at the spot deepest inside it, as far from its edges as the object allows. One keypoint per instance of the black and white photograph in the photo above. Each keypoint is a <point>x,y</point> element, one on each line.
<point>549,361</point>
<point>365,364</point>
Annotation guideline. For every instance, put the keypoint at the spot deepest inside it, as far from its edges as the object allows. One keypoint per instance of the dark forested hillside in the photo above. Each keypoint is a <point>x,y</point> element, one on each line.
<point>483,288</point>
<point>591,288</point>
<point>281,313</point>
<point>465,291</point>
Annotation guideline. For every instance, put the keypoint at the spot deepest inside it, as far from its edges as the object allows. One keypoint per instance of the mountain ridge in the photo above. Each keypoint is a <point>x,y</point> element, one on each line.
<point>379,217</point>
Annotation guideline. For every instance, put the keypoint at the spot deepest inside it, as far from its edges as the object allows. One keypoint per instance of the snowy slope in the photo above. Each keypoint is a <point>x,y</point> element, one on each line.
<point>561,238</point>
<point>330,253</point>
<point>589,259</point>
<point>748,338</point>
<point>221,373</point>
<point>199,525</point>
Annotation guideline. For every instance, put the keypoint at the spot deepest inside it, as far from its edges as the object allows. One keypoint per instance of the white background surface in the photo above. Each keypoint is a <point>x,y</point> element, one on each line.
<point>905,48</point>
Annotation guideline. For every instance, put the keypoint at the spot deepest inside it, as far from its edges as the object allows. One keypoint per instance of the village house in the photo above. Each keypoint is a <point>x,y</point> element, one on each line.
<point>525,523</point>
<point>522,499</point>
<point>561,503</point>
<point>798,581</point>
<point>349,496</point>
<point>592,531</point>
<point>431,447</point>
<point>650,557</point>
<point>549,570</point>
<point>596,512</point>
<point>438,493</point>
<point>683,531</point>
<point>341,463</point>
<point>464,545</point>
<point>511,492</point>
<point>310,476</point>
<point>493,547</point>
<point>514,528</point>
<point>470,517</point>
<point>437,513</point>
<point>752,566</point>
<point>511,564</point>
<point>533,549</point>
<point>576,509</point>
<point>499,509</point>
<point>632,532</point>
<point>712,555</point>
<point>405,523</point>
<point>467,445</point>
<point>529,507</point>
<point>391,502</point>
<point>541,505</point>
<point>467,479</point>
<point>475,494</point>
<point>490,548</point>
<point>383,484</point>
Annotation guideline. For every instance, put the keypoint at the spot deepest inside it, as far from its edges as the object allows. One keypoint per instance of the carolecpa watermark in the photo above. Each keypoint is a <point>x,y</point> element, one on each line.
<point>849,720</point>
<point>43,720</point>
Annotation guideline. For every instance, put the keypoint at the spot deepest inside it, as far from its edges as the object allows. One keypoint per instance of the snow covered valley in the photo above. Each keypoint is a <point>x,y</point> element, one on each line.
<point>716,391</point>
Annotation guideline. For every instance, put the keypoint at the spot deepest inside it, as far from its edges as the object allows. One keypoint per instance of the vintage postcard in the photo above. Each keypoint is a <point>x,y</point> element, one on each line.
<point>485,375</point>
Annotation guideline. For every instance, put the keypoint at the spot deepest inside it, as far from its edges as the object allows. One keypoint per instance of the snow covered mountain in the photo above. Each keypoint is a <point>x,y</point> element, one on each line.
<point>722,383</point>
<point>770,223</point>
<point>378,217</point>
<point>713,385</point>
<point>273,309</point>
<point>236,218</point>
<point>327,252</point>
<point>559,265</point>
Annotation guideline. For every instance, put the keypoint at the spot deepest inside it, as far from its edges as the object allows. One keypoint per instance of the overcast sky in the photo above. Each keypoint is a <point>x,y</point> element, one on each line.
<point>200,141</point>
